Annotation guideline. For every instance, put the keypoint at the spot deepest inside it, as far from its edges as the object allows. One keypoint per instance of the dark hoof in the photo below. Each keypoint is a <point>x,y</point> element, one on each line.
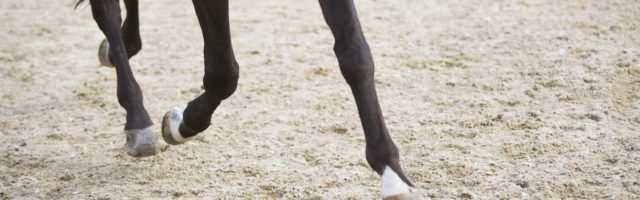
<point>170,127</point>
<point>410,196</point>
<point>141,142</point>
<point>103,54</point>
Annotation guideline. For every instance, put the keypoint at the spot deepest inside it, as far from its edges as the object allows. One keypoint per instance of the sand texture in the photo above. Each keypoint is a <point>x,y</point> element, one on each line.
<point>485,99</point>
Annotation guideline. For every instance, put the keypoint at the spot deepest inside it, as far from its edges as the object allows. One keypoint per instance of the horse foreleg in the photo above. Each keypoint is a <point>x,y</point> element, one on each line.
<point>141,139</point>
<point>130,35</point>
<point>356,65</point>
<point>220,78</point>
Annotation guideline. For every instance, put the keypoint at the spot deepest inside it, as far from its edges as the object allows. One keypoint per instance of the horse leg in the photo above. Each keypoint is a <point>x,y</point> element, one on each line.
<point>130,34</point>
<point>220,78</point>
<point>356,65</point>
<point>141,140</point>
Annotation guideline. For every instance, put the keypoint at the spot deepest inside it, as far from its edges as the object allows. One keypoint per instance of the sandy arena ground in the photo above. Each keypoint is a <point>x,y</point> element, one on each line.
<point>486,99</point>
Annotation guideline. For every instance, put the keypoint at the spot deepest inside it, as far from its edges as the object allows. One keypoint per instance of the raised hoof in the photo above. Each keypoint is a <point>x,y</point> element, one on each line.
<point>170,127</point>
<point>141,142</point>
<point>410,196</point>
<point>103,54</point>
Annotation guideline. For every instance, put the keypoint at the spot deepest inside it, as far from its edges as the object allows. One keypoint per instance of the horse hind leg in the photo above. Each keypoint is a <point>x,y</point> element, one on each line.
<point>140,137</point>
<point>356,65</point>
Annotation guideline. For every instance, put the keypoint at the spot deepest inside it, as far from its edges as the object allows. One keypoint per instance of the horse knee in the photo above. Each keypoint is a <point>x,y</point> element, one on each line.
<point>221,82</point>
<point>356,63</point>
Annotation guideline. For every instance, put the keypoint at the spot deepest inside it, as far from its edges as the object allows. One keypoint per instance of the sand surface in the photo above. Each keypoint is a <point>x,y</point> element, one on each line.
<point>486,99</point>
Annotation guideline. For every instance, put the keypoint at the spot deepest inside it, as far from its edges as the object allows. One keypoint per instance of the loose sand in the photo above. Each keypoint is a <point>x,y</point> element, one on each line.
<point>485,99</point>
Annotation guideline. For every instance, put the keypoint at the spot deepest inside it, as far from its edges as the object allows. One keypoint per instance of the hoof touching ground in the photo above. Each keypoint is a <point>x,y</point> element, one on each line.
<point>141,142</point>
<point>395,188</point>
<point>170,127</point>
<point>410,196</point>
<point>103,54</point>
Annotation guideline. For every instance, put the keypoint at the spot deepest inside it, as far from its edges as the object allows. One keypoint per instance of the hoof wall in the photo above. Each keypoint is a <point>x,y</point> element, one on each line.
<point>410,196</point>
<point>170,124</point>
<point>103,54</point>
<point>141,142</point>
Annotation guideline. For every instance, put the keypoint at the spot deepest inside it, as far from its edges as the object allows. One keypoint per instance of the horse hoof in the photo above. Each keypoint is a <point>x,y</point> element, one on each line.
<point>103,54</point>
<point>170,127</point>
<point>410,196</point>
<point>141,142</point>
<point>395,188</point>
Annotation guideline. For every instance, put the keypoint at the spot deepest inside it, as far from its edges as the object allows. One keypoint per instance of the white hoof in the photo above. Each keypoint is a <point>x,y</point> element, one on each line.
<point>393,187</point>
<point>410,196</point>
<point>170,127</point>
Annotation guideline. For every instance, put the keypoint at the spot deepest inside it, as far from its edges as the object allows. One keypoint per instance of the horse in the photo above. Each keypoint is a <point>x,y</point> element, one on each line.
<point>180,125</point>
